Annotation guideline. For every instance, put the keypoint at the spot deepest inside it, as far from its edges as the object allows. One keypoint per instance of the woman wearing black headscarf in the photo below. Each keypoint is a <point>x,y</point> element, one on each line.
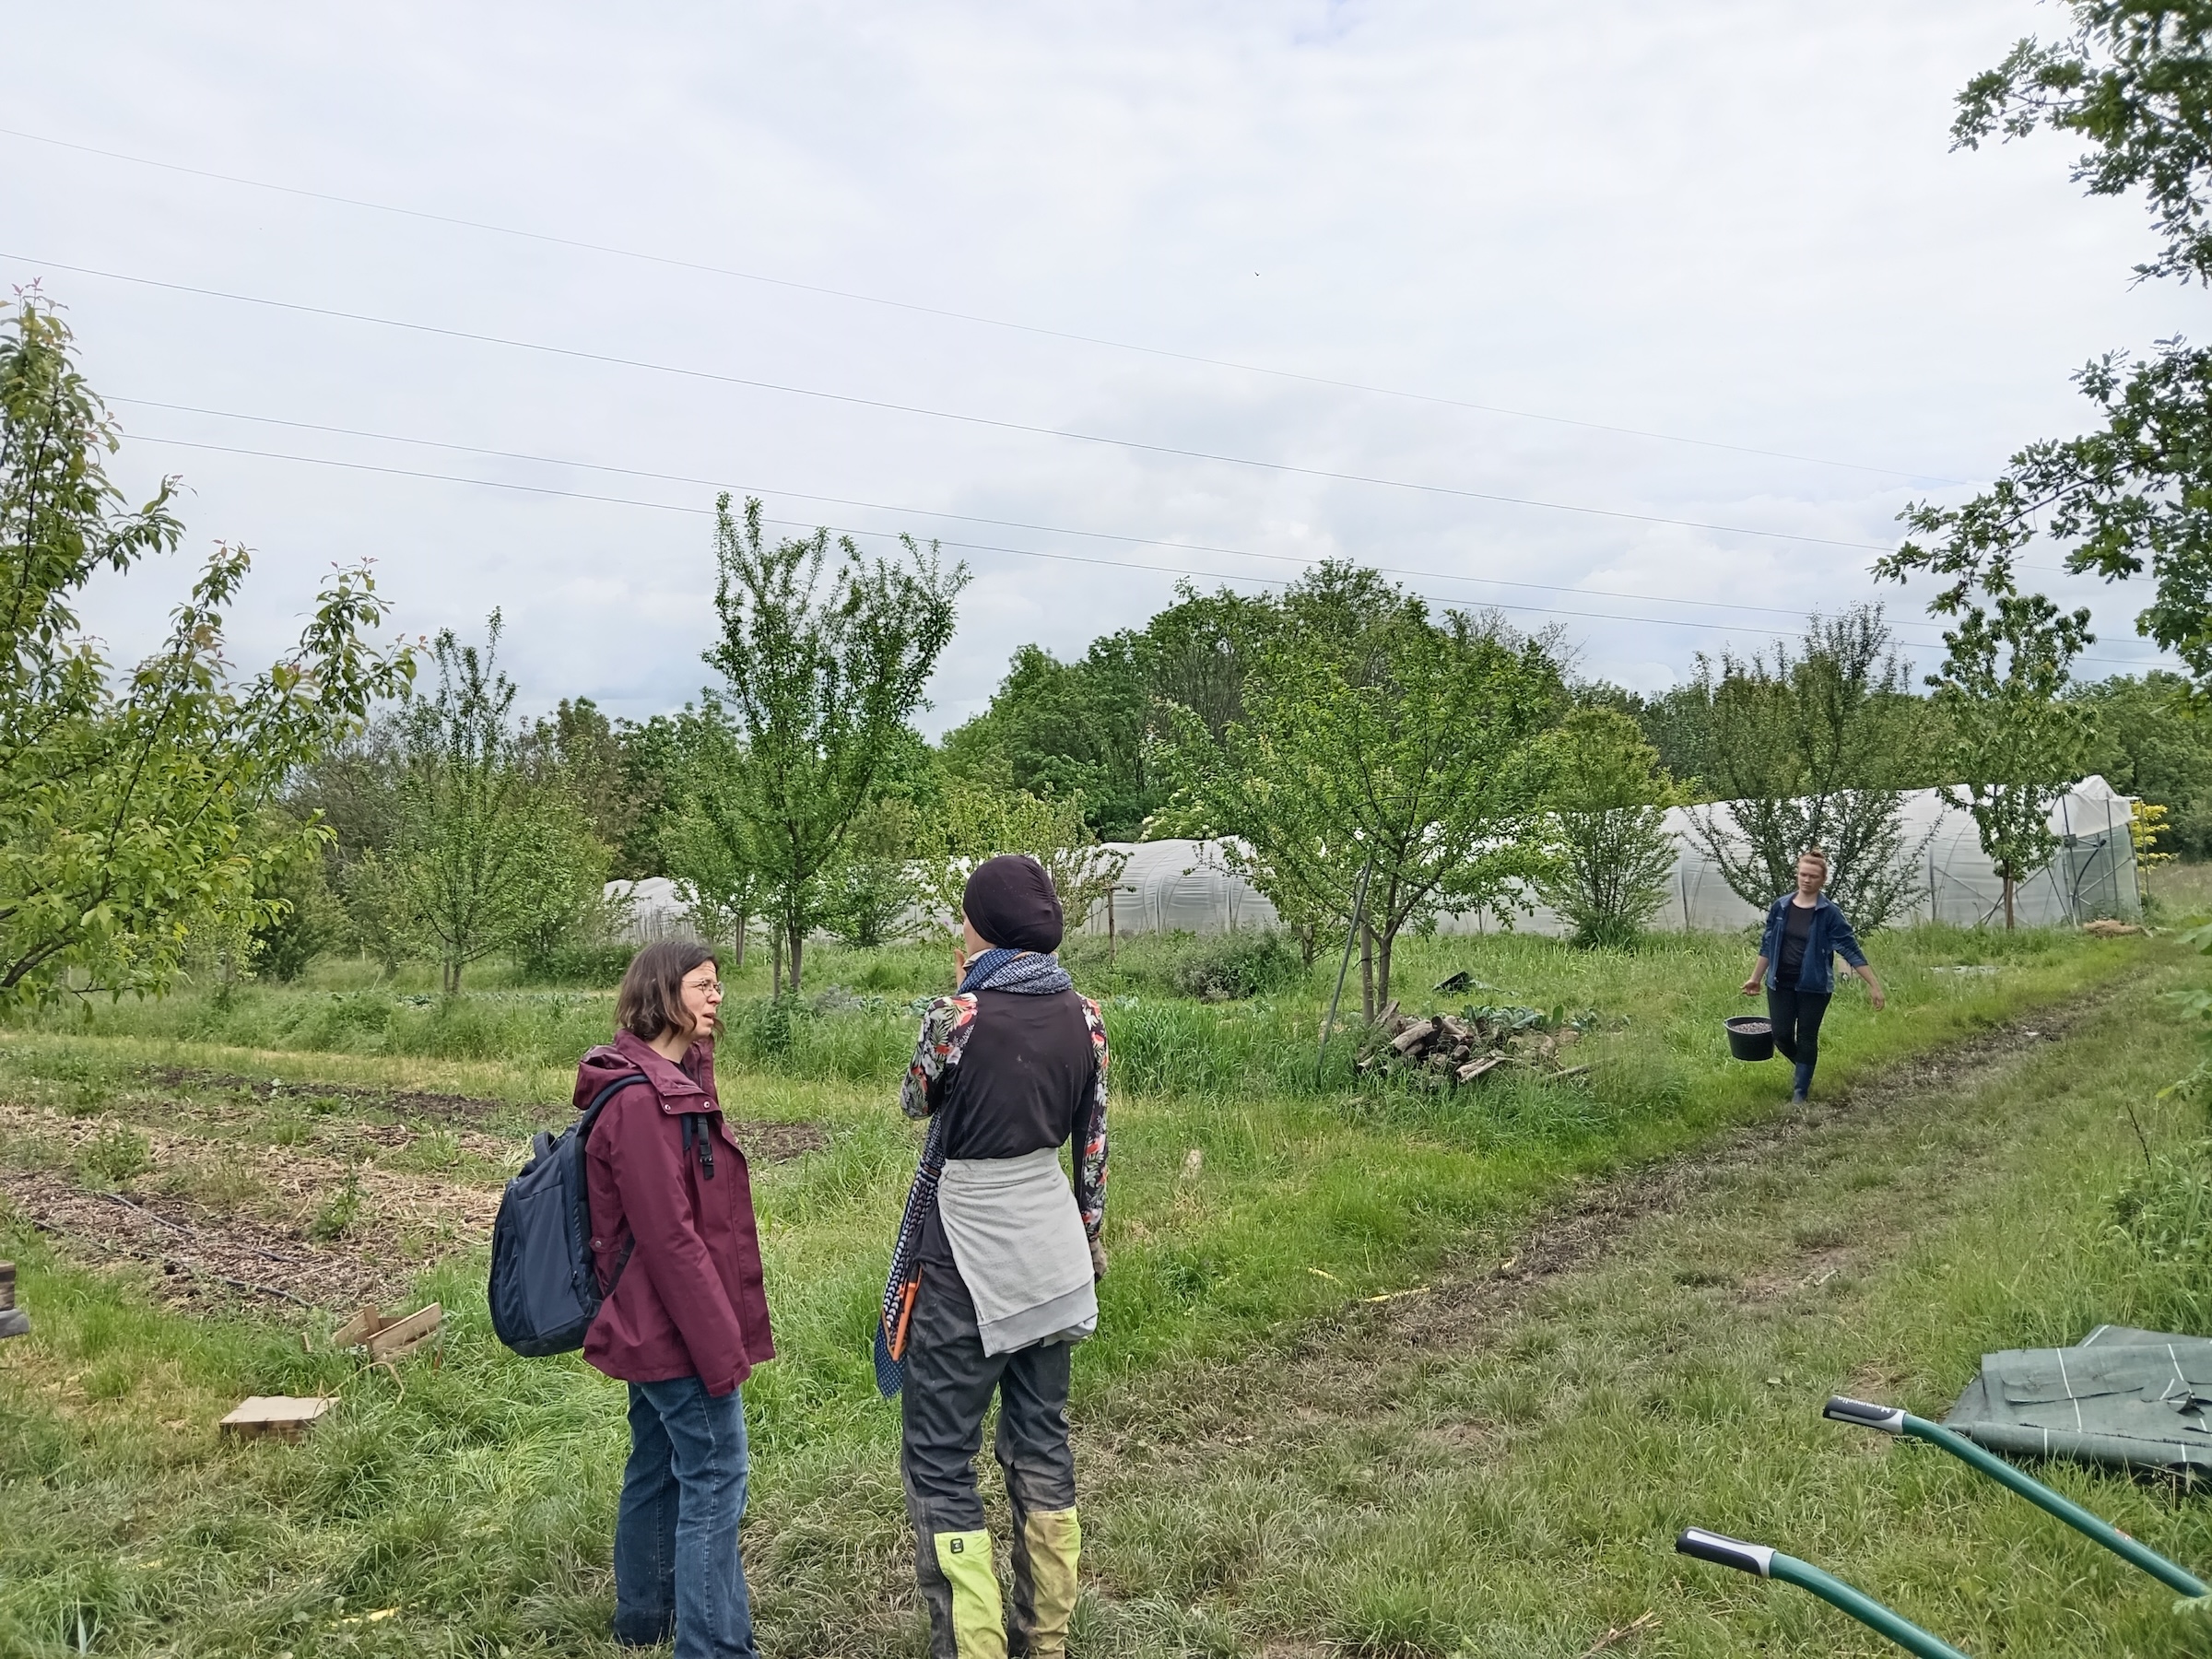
<point>991,1279</point>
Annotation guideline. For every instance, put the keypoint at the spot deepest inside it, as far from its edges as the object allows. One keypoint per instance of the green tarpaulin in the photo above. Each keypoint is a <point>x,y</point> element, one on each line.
<point>2136,1398</point>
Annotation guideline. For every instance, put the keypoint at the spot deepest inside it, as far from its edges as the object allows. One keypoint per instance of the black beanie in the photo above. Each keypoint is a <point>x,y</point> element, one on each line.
<point>1009,900</point>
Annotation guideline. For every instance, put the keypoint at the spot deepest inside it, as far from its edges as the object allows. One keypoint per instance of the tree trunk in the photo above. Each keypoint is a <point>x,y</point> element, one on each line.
<point>798,950</point>
<point>2008,900</point>
<point>1382,966</point>
<point>775,947</point>
<point>1368,1006</point>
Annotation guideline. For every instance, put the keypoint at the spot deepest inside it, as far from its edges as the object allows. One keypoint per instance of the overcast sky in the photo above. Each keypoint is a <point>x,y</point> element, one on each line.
<point>1711,270</point>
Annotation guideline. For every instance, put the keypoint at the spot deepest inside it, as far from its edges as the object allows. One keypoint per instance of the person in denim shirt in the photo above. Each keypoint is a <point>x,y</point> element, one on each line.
<point>1804,934</point>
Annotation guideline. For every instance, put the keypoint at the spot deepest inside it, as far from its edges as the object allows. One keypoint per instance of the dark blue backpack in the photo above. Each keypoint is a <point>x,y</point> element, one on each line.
<point>544,1287</point>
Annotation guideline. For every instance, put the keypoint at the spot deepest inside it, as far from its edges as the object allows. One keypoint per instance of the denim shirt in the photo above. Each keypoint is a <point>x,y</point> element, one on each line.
<point>1829,934</point>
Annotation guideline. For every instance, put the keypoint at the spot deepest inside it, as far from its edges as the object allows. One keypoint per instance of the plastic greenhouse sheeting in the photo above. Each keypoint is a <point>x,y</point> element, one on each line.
<point>1188,885</point>
<point>2122,1396</point>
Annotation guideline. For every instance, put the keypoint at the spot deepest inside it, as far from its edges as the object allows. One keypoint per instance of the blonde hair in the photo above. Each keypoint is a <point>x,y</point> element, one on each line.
<point>1816,853</point>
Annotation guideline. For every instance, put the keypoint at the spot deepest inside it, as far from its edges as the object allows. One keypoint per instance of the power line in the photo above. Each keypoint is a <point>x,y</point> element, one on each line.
<point>544,489</point>
<point>971,317</point>
<point>760,490</point>
<point>580,355</point>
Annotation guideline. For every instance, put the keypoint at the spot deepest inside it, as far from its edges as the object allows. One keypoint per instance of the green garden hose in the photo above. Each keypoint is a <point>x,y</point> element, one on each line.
<point>1890,1420</point>
<point>1757,1559</point>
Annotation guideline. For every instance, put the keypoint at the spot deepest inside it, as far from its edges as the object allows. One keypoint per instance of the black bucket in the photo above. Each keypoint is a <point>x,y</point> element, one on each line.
<point>1751,1037</point>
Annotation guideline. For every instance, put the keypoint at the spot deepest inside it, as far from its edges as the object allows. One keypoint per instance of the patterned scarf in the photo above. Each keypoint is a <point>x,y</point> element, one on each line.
<point>1026,972</point>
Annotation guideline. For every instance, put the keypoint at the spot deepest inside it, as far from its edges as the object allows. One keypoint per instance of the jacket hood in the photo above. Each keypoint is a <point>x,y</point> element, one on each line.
<point>677,1087</point>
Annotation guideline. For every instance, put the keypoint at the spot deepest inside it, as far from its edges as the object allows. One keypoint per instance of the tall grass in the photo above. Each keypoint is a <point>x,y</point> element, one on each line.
<point>1247,1203</point>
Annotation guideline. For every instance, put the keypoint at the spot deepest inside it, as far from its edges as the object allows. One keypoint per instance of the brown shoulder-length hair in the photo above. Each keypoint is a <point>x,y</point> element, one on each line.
<point>651,1003</point>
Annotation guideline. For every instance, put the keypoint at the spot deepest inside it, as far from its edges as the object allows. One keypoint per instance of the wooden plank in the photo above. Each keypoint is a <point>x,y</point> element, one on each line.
<point>277,1416</point>
<point>358,1329</point>
<point>404,1336</point>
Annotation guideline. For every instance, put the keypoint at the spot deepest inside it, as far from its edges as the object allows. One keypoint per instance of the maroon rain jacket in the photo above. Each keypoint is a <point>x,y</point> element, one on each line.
<point>690,1302</point>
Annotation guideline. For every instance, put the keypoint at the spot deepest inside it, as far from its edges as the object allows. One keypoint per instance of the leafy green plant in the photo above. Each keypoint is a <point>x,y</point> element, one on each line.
<point>114,1155</point>
<point>1614,854</point>
<point>337,1216</point>
<point>1227,967</point>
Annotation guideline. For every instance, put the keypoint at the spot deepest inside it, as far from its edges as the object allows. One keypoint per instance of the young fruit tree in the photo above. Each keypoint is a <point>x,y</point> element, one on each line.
<point>1613,854</point>
<point>1810,745</point>
<point>131,804</point>
<point>700,839</point>
<point>1373,738</point>
<point>2134,81</point>
<point>485,857</point>
<point>2017,745</point>
<point>822,671</point>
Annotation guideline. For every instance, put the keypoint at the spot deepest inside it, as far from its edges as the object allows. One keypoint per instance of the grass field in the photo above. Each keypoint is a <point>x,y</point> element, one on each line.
<point>1274,1464</point>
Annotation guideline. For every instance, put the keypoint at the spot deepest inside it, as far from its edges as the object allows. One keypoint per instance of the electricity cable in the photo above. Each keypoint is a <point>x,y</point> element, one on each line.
<point>989,422</point>
<point>759,489</point>
<point>971,317</point>
<point>1121,564</point>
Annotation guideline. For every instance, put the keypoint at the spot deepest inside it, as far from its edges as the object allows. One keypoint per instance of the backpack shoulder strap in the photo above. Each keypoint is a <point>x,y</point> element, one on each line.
<point>591,1112</point>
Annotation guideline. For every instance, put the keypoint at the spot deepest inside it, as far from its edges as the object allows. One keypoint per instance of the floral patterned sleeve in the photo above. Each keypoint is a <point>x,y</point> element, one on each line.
<point>946,1024</point>
<point>1090,1152</point>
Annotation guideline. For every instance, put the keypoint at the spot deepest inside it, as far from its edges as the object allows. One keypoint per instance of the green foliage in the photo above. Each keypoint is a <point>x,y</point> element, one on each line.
<point>875,879</point>
<point>1370,735</point>
<point>1089,729</point>
<point>2135,80</point>
<point>974,824</point>
<point>129,801</point>
<point>1245,961</point>
<point>1614,854</point>
<point>302,918</point>
<point>112,1157</point>
<point>2015,745</point>
<point>1677,723</point>
<point>1808,747</point>
<point>2149,739</point>
<point>822,674</point>
<point>485,858</point>
<point>338,1214</point>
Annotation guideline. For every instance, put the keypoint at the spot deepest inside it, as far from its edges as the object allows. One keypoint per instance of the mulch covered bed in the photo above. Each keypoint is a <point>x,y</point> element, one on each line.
<point>199,1258</point>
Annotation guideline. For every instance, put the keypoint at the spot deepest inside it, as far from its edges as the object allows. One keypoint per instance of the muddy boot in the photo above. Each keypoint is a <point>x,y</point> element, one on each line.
<point>1804,1081</point>
<point>966,1620</point>
<point>1047,1544</point>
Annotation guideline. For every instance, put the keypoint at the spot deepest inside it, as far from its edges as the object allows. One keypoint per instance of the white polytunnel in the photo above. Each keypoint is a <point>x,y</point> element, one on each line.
<point>1189,887</point>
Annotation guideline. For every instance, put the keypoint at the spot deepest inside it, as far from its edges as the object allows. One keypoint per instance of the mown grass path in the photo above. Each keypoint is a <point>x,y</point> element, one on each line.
<point>1498,1468</point>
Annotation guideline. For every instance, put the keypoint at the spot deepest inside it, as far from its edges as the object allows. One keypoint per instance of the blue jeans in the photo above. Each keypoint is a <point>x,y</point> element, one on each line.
<point>677,1565</point>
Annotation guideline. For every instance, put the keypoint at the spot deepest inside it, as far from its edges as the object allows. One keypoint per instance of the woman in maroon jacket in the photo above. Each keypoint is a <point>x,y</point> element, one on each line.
<point>685,1319</point>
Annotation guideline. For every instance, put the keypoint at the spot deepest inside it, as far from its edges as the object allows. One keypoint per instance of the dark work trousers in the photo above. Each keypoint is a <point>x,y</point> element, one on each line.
<point>1796,1017</point>
<point>949,1382</point>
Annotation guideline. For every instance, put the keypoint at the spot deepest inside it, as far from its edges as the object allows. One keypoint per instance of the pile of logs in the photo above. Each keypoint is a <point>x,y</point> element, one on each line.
<point>1447,1051</point>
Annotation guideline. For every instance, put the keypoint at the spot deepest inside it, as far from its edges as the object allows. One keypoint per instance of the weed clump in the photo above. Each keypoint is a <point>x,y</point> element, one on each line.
<point>1230,967</point>
<point>112,1157</point>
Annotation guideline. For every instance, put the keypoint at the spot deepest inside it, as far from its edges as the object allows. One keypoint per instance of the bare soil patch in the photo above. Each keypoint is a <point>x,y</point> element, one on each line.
<point>199,1258</point>
<point>765,1142</point>
<point>222,1218</point>
<point>404,1103</point>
